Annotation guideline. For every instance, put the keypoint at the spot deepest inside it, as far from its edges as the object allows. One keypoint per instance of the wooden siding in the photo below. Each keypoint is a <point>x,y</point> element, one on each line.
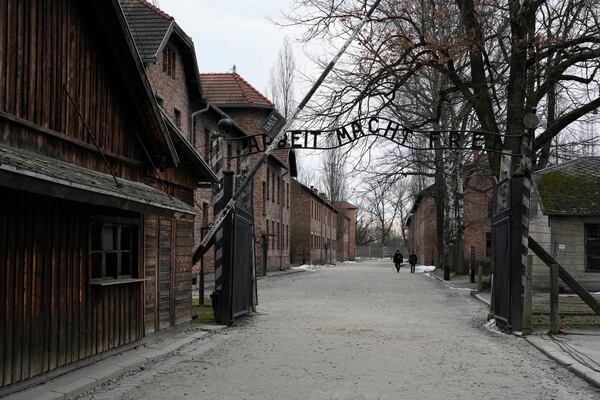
<point>168,272</point>
<point>50,315</point>
<point>45,45</point>
<point>183,270</point>
<point>165,247</point>
<point>150,259</point>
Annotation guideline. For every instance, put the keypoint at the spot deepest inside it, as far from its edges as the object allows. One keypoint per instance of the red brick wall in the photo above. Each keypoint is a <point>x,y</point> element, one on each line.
<point>350,213</point>
<point>173,91</point>
<point>314,228</point>
<point>422,237</point>
<point>267,208</point>
<point>422,230</point>
<point>477,203</point>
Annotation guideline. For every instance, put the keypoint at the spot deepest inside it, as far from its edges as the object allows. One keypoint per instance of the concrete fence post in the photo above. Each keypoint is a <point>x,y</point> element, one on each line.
<point>554,312</point>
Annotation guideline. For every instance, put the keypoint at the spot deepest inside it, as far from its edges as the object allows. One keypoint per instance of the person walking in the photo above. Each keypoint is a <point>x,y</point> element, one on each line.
<point>412,259</point>
<point>398,260</point>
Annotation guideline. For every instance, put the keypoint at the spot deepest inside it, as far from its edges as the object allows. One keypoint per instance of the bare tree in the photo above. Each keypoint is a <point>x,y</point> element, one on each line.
<point>502,58</point>
<point>281,80</point>
<point>333,174</point>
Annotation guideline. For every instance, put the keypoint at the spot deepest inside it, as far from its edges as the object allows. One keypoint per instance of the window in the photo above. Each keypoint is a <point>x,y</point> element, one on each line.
<point>278,189</point>
<point>169,61</point>
<point>592,247</point>
<point>278,235</point>
<point>207,146</point>
<point>264,196</point>
<point>113,250</point>
<point>273,232</point>
<point>273,187</point>
<point>229,154</point>
<point>288,195</point>
<point>268,183</point>
<point>238,160</point>
<point>177,115</point>
<point>488,244</point>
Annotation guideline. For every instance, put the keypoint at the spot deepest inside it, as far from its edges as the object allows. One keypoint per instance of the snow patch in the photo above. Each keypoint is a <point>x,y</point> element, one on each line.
<point>307,267</point>
<point>424,268</point>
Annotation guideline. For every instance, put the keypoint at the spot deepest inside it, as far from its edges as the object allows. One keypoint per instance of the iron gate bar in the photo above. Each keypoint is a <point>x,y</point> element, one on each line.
<point>220,218</point>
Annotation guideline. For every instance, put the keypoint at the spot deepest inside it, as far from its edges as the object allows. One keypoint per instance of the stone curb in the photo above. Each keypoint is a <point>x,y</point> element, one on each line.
<point>585,373</point>
<point>75,383</point>
<point>280,273</point>
<point>480,298</point>
<point>448,283</point>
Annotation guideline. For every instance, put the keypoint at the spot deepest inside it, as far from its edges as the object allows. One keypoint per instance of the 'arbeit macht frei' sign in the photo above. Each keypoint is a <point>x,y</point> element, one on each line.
<point>365,127</point>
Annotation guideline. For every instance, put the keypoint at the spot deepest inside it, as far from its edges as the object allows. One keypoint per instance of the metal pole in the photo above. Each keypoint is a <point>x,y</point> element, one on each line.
<point>250,176</point>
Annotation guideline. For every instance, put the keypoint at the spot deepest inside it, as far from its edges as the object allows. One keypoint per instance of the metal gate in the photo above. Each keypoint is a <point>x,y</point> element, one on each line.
<point>235,274</point>
<point>243,265</point>
<point>506,237</point>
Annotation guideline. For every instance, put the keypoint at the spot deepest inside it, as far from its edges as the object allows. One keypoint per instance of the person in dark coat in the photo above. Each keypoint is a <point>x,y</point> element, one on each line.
<point>398,260</point>
<point>412,259</point>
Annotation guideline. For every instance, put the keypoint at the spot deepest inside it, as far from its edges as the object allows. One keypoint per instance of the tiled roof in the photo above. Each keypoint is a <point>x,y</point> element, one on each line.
<point>223,89</point>
<point>346,205</point>
<point>148,25</point>
<point>36,166</point>
<point>572,188</point>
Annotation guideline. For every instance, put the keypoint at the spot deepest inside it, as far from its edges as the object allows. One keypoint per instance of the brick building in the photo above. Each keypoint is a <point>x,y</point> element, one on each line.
<point>171,66</point>
<point>314,223</point>
<point>346,231</point>
<point>248,109</point>
<point>422,223</point>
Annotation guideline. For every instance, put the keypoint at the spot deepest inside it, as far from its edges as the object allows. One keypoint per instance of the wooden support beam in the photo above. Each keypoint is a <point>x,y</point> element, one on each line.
<point>565,276</point>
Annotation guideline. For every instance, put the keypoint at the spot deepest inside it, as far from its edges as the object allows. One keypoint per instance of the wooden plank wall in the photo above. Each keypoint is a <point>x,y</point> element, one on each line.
<point>45,44</point>
<point>50,316</point>
<point>150,260</point>
<point>165,261</point>
<point>183,270</point>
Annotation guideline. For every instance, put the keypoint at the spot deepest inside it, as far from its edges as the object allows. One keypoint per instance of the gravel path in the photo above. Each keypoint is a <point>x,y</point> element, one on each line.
<point>357,331</point>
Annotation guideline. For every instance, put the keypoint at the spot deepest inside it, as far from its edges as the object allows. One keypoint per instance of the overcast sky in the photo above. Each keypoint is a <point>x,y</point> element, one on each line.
<point>228,32</point>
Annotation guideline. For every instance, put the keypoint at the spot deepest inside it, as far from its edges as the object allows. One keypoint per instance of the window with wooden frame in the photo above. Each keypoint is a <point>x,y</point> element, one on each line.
<point>169,61</point>
<point>114,248</point>
<point>592,247</point>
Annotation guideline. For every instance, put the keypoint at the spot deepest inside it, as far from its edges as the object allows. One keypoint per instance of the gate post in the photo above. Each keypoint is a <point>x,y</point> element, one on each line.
<point>554,315</point>
<point>224,280</point>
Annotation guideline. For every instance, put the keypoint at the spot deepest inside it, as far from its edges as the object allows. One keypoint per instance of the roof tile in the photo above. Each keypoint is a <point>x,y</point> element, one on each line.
<point>223,89</point>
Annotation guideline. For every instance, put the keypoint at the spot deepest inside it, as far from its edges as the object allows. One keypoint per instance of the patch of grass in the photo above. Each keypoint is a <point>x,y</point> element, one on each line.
<point>204,312</point>
<point>573,313</point>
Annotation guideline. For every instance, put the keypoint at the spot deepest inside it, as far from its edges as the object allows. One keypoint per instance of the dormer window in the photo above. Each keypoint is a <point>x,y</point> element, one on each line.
<point>169,61</point>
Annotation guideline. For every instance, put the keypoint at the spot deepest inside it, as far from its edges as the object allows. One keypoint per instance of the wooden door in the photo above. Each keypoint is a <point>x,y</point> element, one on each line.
<point>165,280</point>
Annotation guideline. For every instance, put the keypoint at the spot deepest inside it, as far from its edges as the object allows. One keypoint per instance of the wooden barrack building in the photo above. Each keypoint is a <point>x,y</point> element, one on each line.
<point>96,192</point>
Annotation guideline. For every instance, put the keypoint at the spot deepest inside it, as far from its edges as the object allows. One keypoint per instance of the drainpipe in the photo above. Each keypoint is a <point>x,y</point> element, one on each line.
<point>192,124</point>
